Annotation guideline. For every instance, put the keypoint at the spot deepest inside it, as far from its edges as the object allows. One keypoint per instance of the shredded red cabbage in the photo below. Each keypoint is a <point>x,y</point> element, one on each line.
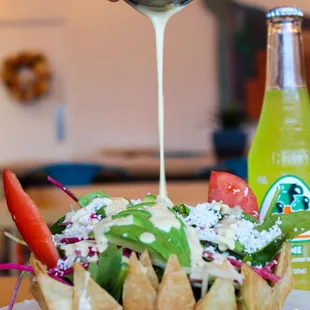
<point>16,267</point>
<point>63,188</point>
<point>16,288</point>
<point>126,252</point>
<point>73,240</point>
<point>94,217</point>
<point>65,224</point>
<point>28,269</point>
<point>265,272</point>
<point>59,279</point>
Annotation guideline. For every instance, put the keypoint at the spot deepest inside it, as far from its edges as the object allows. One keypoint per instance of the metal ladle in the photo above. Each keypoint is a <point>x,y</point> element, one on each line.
<point>157,4</point>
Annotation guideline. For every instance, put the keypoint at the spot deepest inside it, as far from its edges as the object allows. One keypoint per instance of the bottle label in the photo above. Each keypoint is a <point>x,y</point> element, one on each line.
<point>294,196</point>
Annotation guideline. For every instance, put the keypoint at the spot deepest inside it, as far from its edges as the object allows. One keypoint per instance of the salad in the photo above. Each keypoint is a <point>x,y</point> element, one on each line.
<point>113,252</point>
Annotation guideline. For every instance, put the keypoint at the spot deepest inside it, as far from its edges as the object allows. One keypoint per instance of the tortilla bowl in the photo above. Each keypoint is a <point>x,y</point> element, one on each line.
<point>142,290</point>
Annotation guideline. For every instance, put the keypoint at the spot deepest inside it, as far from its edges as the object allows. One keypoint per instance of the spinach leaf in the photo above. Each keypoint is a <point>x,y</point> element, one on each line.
<point>61,252</point>
<point>69,277</point>
<point>273,203</point>
<point>249,218</point>
<point>117,289</point>
<point>265,255</point>
<point>86,199</point>
<point>101,212</point>
<point>182,209</point>
<point>93,269</point>
<point>159,272</point>
<point>129,202</point>
<point>57,228</point>
<point>291,225</point>
<point>239,248</point>
<point>109,273</point>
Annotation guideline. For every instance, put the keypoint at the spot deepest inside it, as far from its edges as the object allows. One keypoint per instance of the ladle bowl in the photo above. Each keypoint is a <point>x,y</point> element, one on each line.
<point>157,4</point>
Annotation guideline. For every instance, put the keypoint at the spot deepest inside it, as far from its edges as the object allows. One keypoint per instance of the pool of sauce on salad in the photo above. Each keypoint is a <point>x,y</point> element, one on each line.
<point>159,18</point>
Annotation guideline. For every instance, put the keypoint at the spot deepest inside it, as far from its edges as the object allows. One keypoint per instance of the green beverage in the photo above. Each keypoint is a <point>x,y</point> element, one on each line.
<point>279,155</point>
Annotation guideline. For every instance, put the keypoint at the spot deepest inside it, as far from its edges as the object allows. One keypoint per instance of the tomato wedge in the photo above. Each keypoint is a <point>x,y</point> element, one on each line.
<point>233,191</point>
<point>29,221</point>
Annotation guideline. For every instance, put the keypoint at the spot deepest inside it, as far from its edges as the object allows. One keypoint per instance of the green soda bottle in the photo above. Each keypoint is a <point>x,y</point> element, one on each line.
<point>279,155</point>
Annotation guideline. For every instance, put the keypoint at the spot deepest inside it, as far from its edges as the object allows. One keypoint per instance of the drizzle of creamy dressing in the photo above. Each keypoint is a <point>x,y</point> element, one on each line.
<point>147,238</point>
<point>225,237</point>
<point>226,230</point>
<point>195,247</point>
<point>210,226</point>
<point>103,227</point>
<point>162,218</point>
<point>159,19</point>
<point>84,302</point>
<point>115,205</point>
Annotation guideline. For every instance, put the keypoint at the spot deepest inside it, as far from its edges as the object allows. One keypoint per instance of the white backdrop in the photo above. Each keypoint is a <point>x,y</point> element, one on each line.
<point>103,57</point>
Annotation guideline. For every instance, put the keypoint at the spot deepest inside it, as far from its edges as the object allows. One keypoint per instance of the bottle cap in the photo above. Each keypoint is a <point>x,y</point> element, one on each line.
<point>285,11</point>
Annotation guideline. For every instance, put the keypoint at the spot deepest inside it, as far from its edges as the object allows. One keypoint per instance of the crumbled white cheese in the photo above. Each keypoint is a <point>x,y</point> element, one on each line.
<point>210,249</point>
<point>82,221</point>
<point>65,264</point>
<point>210,225</point>
<point>204,215</point>
<point>254,240</point>
<point>207,235</point>
<point>82,213</point>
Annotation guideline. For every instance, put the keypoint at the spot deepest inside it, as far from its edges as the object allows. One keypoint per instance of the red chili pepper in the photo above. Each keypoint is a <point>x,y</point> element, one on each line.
<point>29,221</point>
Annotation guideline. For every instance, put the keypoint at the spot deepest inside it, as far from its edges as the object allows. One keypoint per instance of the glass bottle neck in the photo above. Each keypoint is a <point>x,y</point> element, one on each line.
<point>285,58</point>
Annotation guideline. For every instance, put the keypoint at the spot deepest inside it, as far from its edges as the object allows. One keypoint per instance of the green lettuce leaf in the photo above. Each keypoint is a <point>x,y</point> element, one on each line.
<point>87,199</point>
<point>165,244</point>
<point>141,205</point>
<point>150,198</point>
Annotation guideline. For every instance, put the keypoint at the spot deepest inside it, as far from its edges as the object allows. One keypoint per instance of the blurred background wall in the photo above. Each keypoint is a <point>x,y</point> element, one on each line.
<point>103,60</point>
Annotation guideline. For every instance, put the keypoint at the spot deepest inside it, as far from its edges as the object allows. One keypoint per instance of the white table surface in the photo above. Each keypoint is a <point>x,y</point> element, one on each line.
<point>297,300</point>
